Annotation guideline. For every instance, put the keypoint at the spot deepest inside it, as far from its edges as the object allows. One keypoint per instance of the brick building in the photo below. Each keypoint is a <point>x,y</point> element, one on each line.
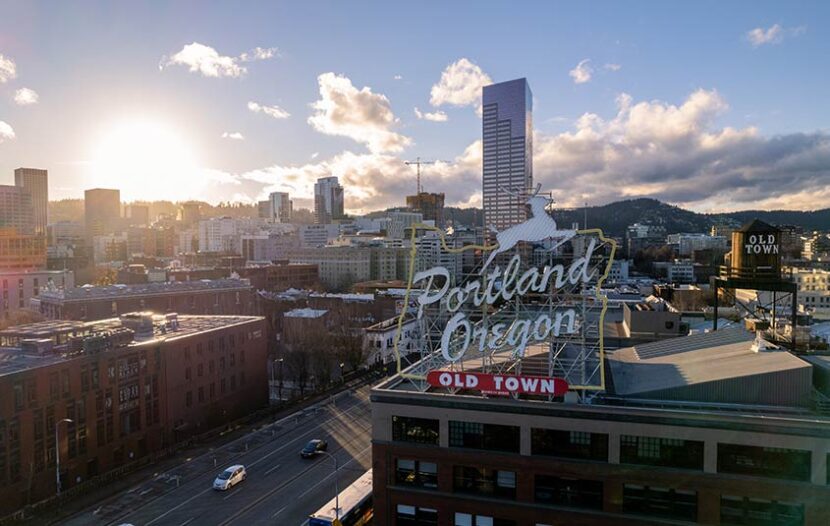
<point>711,428</point>
<point>281,276</point>
<point>130,386</point>
<point>220,296</point>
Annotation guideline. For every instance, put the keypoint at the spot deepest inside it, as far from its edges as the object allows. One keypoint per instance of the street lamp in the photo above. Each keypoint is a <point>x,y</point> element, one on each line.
<point>341,372</point>
<point>336,490</point>
<point>58,454</point>
<point>280,388</point>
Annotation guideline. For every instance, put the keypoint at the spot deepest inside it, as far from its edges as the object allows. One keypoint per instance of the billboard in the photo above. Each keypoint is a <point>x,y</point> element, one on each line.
<point>532,308</point>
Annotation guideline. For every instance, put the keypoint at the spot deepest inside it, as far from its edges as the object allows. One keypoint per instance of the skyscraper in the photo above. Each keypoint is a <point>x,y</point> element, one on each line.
<point>328,200</point>
<point>280,207</point>
<point>102,212</point>
<point>507,131</point>
<point>16,209</point>
<point>36,181</point>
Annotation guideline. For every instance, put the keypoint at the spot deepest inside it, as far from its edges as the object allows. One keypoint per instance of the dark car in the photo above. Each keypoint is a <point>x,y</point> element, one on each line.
<point>313,448</point>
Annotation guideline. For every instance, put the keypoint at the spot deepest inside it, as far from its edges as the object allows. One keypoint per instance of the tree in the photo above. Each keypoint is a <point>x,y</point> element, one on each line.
<point>298,365</point>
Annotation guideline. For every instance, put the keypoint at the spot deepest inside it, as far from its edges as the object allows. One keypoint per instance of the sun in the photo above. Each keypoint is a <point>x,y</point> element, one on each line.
<point>145,159</point>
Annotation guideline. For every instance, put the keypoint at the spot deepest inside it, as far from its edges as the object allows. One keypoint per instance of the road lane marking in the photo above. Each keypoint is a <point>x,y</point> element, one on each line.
<point>272,469</point>
<point>188,521</point>
<point>303,494</point>
<point>252,505</point>
<point>356,406</point>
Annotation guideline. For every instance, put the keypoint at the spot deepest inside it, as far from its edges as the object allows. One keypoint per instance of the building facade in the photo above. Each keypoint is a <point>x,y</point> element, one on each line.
<point>102,212</point>
<point>280,207</point>
<point>36,181</point>
<point>328,200</point>
<point>430,205</point>
<point>507,132</point>
<point>18,288</point>
<point>219,296</point>
<point>129,387</point>
<point>16,209</point>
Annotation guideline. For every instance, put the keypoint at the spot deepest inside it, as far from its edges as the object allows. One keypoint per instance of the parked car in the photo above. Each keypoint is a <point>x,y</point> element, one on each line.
<point>313,448</point>
<point>230,477</point>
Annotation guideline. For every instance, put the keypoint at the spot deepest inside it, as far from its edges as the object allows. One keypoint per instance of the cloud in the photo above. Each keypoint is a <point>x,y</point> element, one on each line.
<point>6,132</point>
<point>650,148</point>
<point>272,111</point>
<point>760,36</point>
<point>435,116</point>
<point>237,136</point>
<point>258,53</point>
<point>8,69</point>
<point>205,60</point>
<point>25,97</point>
<point>361,115</point>
<point>398,77</point>
<point>315,155</point>
<point>674,153</point>
<point>460,85</point>
<point>582,72</point>
<point>612,67</point>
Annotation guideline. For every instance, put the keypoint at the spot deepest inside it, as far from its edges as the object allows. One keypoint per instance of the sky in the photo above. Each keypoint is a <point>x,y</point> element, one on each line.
<point>712,106</point>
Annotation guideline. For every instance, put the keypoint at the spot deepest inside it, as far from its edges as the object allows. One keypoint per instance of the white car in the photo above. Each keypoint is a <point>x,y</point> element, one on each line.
<point>230,477</point>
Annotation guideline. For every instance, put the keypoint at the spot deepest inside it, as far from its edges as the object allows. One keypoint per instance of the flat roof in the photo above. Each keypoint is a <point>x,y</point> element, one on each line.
<point>305,313</point>
<point>144,289</point>
<point>695,359</point>
<point>13,359</point>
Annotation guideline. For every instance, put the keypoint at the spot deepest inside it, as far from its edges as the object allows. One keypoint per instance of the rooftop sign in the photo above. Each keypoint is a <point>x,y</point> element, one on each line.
<point>532,312</point>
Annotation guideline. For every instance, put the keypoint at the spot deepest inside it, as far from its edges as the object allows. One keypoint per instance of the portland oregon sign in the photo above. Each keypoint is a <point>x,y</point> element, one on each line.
<point>519,316</point>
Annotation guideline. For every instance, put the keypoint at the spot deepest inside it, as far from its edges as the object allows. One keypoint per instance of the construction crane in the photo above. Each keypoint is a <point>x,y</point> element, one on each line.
<point>418,162</point>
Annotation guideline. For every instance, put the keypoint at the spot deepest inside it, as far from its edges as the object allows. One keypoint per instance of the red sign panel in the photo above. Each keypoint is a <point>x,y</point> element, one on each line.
<point>498,383</point>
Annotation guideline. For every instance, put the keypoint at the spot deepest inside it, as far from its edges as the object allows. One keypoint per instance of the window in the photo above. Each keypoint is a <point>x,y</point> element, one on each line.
<point>791,464</point>
<point>669,452</point>
<point>187,373</point>
<point>484,481</point>
<point>189,399</point>
<point>569,444</point>
<point>660,502</point>
<point>412,516</point>
<point>417,473</point>
<point>466,519</point>
<point>492,437</point>
<point>561,491</point>
<point>201,395</point>
<point>417,430</point>
<point>744,510</point>
<point>200,370</point>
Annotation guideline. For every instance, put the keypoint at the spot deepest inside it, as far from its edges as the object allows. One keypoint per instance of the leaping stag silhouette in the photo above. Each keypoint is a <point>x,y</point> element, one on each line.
<point>540,227</point>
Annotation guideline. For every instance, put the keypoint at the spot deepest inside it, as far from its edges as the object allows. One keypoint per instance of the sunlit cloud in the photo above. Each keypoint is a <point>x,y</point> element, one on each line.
<point>612,67</point>
<point>205,60</point>
<point>359,114</point>
<point>272,111</point>
<point>582,72</point>
<point>398,77</point>
<point>8,69</point>
<point>760,36</point>
<point>435,116</point>
<point>460,85</point>
<point>237,136</point>
<point>25,97</point>
<point>6,132</point>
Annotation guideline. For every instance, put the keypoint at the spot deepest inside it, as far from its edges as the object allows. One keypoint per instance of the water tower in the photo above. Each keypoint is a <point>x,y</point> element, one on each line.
<point>755,265</point>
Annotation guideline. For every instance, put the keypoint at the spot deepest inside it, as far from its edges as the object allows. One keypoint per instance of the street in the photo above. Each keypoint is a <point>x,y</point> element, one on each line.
<point>281,488</point>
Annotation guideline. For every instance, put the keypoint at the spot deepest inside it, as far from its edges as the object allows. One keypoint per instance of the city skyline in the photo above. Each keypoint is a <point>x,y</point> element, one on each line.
<point>235,106</point>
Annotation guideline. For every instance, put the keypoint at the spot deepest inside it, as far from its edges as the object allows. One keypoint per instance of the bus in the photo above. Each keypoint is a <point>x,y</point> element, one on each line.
<point>355,506</point>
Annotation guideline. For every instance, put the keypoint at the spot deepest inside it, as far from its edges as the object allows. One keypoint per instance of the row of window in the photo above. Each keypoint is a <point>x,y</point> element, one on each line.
<point>790,464</point>
<point>200,368</point>
<point>223,385</point>
<point>653,501</point>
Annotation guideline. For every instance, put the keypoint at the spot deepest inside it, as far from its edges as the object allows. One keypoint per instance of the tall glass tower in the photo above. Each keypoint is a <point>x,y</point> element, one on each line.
<point>507,131</point>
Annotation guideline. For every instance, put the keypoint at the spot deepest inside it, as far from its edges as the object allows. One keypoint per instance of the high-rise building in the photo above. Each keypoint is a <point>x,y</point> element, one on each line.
<point>328,200</point>
<point>36,181</point>
<point>102,212</point>
<point>280,207</point>
<point>508,152</point>
<point>190,213</point>
<point>430,205</point>
<point>16,209</point>
<point>138,215</point>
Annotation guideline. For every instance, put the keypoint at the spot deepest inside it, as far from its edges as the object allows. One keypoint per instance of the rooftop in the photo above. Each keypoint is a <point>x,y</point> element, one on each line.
<point>305,313</point>
<point>13,358</point>
<point>144,289</point>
